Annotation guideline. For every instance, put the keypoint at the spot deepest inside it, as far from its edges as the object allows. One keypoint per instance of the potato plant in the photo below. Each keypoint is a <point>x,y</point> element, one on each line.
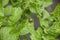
<point>29,20</point>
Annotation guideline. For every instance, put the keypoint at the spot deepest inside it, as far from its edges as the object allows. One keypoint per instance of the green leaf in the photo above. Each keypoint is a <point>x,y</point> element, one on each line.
<point>1,11</point>
<point>48,37</point>
<point>37,35</point>
<point>5,35</point>
<point>0,3</point>
<point>8,10</point>
<point>27,28</point>
<point>32,9</point>
<point>16,14</point>
<point>47,3</point>
<point>5,2</point>
<point>46,15</point>
<point>56,12</point>
<point>14,2</point>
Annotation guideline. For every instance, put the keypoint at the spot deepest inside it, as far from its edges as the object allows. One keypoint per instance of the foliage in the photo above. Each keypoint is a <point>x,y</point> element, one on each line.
<point>14,19</point>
